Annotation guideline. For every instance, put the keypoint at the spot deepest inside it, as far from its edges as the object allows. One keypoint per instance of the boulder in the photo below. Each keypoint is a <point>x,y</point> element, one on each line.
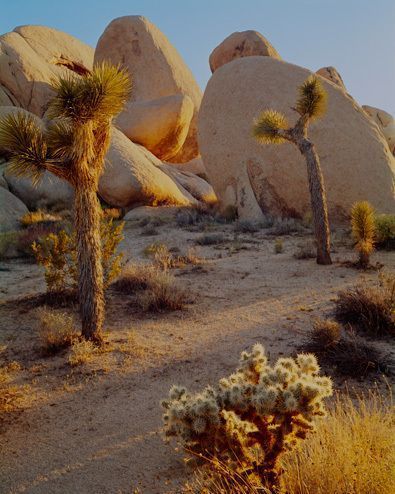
<point>3,182</point>
<point>356,162</point>
<point>196,186</point>
<point>195,166</point>
<point>31,56</point>
<point>5,97</point>
<point>241,44</point>
<point>156,67</point>
<point>331,74</point>
<point>11,210</point>
<point>386,123</point>
<point>161,125</point>
<point>132,177</point>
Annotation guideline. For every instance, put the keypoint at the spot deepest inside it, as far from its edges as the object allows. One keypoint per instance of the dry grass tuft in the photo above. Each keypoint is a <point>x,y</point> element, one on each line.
<point>370,309</point>
<point>81,352</point>
<point>352,452</point>
<point>56,330</point>
<point>325,333</point>
<point>306,250</point>
<point>39,216</point>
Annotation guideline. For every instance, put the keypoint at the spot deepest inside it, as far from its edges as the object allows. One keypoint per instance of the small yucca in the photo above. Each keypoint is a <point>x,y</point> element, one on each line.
<point>268,125</point>
<point>363,230</point>
<point>312,100</point>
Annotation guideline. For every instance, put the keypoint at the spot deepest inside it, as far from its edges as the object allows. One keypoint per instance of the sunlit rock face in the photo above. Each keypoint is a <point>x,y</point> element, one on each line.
<point>356,161</point>
<point>241,44</point>
<point>30,57</point>
<point>331,74</point>
<point>157,70</point>
<point>386,123</point>
<point>161,125</point>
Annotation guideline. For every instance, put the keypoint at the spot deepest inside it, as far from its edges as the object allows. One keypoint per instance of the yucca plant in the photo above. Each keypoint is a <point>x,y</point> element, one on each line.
<point>363,230</point>
<point>73,147</point>
<point>272,127</point>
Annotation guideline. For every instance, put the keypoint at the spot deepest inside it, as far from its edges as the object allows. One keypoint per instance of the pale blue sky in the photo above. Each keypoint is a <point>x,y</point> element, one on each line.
<point>355,36</point>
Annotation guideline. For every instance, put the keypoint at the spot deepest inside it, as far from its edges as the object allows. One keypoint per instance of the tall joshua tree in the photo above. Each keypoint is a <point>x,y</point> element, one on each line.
<point>73,147</point>
<point>272,127</point>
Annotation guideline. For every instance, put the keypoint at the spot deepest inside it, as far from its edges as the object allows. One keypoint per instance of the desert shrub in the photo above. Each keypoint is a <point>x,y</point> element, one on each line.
<point>352,451</point>
<point>195,216</point>
<point>363,230</point>
<point>9,393</point>
<point>211,239</point>
<point>230,213</point>
<point>278,246</point>
<point>56,330</point>
<point>57,254</point>
<point>81,352</point>
<point>251,418</point>
<point>385,231</point>
<point>286,226</point>
<point>306,250</point>
<point>370,308</point>
<point>149,230</point>
<point>112,213</point>
<point>246,226</point>
<point>154,289</point>
<point>39,216</point>
<point>34,234</point>
<point>343,351</point>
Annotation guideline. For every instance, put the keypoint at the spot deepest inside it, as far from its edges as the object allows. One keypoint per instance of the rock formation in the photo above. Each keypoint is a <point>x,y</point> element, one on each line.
<point>156,67</point>
<point>241,44</point>
<point>355,158</point>
<point>386,123</point>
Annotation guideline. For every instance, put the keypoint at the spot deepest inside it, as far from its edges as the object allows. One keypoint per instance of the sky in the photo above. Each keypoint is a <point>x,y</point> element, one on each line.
<point>355,36</point>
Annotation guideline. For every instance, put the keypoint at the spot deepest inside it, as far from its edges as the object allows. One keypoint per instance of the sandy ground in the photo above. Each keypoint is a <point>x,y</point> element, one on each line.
<point>96,429</point>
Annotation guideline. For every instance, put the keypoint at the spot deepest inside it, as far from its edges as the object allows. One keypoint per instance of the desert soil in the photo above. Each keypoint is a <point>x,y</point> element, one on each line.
<point>96,429</point>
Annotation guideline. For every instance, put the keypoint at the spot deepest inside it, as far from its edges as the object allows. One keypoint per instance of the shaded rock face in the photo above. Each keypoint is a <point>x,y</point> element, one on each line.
<point>160,125</point>
<point>355,158</point>
<point>331,74</point>
<point>386,124</point>
<point>156,67</point>
<point>241,44</point>
<point>30,56</point>
<point>11,210</point>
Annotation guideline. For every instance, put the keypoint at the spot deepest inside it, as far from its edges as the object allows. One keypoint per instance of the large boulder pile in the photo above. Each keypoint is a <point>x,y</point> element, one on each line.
<point>158,72</point>
<point>356,161</point>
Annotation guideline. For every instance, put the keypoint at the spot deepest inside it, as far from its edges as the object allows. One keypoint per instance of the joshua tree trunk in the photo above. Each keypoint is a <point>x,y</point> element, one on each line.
<point>318,200</point>
<point>90,283</point>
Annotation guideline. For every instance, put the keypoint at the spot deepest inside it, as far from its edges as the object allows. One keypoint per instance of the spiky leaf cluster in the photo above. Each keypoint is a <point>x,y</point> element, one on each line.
<point>312,100</point>
<point>268,126</point>
<point>257,412</point>
<point>363,227</point>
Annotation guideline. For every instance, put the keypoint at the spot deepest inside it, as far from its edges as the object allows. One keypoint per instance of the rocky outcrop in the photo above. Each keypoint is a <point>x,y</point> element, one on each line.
<point>356,161</point>
<point>161,125</point>
<point>195,166</point>
<point>331,74</point>
<point>156,67</point>
<point>31,56</point>
<point>132,176</point>
<point>386,124</point>
<point>241,44</point>
<point>11,210</point>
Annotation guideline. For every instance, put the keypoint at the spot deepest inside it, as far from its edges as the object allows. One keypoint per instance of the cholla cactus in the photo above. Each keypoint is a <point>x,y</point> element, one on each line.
<point>363,230</point>
<point>253,416</point>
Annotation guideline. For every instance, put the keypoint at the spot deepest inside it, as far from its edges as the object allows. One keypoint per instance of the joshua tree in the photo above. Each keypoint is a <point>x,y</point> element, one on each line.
<point>272,128</point>
<point>363,230</point>
<point>73,147</point>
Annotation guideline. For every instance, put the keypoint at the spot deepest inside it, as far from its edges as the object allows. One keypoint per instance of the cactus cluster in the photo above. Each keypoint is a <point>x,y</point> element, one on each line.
<point>252,417</point>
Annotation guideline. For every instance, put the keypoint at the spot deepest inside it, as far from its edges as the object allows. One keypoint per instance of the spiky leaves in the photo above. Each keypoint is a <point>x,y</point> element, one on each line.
<point>312,101</point>
<point>269,127</point>
<point>97,96</point>
<point>363,230</point>
<point>22,138</point>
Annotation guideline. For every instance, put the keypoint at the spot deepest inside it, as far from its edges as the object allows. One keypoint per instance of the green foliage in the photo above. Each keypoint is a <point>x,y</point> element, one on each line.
<point>57,253</point>
<point>385,231</point>
<point>268,125</point>
<point>363,230</point>
<point>252,417</point>
<point>312,101</point>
